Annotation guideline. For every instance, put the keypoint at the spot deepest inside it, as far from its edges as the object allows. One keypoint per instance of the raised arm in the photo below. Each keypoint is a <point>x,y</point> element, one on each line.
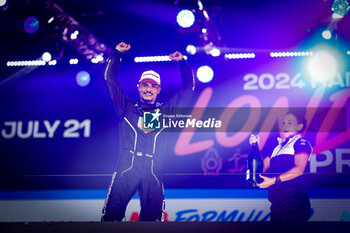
<point>184,95</point>
<point>115,92</point>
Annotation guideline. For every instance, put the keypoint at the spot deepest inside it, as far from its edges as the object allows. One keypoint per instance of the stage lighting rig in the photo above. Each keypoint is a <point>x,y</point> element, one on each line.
<point>210,40</point>
<point>340,8</point>
<point>209,36</point>
<point>77,36</point>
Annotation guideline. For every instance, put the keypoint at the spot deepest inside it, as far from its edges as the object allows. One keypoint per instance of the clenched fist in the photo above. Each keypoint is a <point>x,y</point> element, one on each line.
<point>123,47</point>
<point>176,56</point>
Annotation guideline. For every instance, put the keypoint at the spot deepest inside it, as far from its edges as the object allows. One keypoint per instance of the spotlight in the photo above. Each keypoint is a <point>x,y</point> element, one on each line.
<point>94,60</point>
<point>31,25</point>
<point>205,74</point>
<point>99,58</point>
<point>191,49</point>
<point>51,20</point>
<point>153,58</point>
<point>4,5</point>
<point>73,61</point>
<point>26,63</point>
<point>215,52</point>
<point>205,13</point>
<point>340,8</point>
<point>185,18</point>
<point>291,54</point>
<point>200,5</point>
<point>46,56</point>
<point>74,35</point>
<point>327,34</point>
<point>241,55</point>
<point>83,78</point>
<point>53,62</point>
<point>322,66</point>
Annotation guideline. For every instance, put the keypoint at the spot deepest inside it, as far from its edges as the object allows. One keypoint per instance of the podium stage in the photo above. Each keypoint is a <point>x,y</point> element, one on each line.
<point>172,227</point>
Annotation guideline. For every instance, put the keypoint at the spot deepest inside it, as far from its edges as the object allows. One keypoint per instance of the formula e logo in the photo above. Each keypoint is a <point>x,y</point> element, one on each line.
<point>152,120</point>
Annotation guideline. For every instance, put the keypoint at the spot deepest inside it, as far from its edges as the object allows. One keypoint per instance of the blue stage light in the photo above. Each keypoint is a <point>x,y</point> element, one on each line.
<point>185,18</point>
<point>324,64</point>
<point>31,25</point>
<point>205,74</point>
<point>83,78</point>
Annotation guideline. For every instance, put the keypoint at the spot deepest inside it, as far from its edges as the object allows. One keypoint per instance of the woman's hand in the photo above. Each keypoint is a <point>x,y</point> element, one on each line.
<point>254,138</point>
<point>267,182</point>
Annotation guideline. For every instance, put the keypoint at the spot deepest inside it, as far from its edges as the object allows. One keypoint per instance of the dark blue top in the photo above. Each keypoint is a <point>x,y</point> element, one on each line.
<point>282,160</point>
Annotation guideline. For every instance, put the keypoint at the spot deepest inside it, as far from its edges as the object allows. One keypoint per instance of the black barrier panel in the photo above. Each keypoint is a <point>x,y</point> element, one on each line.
<point>174,227</point>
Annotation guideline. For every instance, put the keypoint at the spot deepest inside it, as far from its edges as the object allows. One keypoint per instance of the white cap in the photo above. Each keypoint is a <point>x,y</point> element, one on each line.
<point>150,74</point>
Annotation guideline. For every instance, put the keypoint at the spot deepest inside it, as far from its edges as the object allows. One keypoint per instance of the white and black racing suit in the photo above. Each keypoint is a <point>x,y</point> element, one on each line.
<point>139,166</point>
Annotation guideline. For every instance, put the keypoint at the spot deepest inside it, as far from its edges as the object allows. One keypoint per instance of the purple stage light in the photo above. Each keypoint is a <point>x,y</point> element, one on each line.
<point>73,61</point>
<point>83,78</point>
